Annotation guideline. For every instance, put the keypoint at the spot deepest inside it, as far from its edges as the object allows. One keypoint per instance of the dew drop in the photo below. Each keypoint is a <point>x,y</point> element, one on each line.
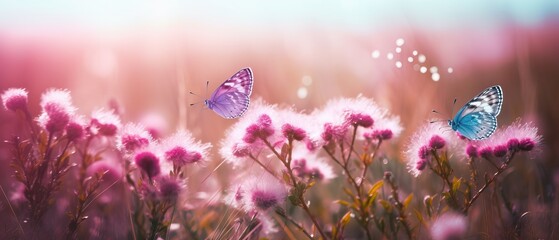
<point>433,69</point>
<point>384,161</point>
<point>398,64</point>
<point>398,49</point>
<point>352,215</point>
<point>308,203</point>
<point>421,58</point>
<point>423,69</point>
<point>436,77</point>
<point>400,42</point>
<point>302,92</point>
<point>410,59</point>
<point>306,80</point>
<point>414,52</point>
<point>450,70</point>
<point>390,56</point>
<point>375,54</point>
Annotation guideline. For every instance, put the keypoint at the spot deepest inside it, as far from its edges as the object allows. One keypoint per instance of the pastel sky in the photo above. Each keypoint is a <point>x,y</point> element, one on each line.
<point>350,14</point>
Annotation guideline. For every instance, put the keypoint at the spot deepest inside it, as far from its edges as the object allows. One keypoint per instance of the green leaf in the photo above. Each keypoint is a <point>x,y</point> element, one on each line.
<point>376,187</point>
<point>419,216</point>
<point>286,178</point>
<point>407,201</point>
<point>386,205</point>
<point>343,203</point>
<point>345,219</point>
<point>348,192</point>
<point>456,184</point>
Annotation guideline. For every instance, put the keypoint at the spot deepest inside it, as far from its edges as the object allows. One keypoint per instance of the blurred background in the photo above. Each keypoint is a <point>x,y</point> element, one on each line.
<point>410,56</point>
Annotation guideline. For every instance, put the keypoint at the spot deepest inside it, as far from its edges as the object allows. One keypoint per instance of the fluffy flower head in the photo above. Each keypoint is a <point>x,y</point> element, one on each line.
<point>148,162</point>
<point>449,226</point>
<point>106,122</point>
<point>57,110</point>
<point>241,141</point>
<point>339,115</point>
<point>518,136</point>
<point>181,149</point>
<point>14,99</point>
<point>430,136</point>
<point>263,192</point>
<point>133,137</point>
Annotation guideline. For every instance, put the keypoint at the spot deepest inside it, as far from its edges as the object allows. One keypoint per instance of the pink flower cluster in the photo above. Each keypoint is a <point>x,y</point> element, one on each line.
<point>431,137</point>
<point>518,137</point>
<point>265,125</point>
<point>161,160</point>
<point>258,194</point>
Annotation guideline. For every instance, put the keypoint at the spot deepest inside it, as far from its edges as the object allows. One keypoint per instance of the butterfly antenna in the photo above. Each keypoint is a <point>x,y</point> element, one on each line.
<point>207,85</point>
<point>195,103</point>
<point>452,109</point>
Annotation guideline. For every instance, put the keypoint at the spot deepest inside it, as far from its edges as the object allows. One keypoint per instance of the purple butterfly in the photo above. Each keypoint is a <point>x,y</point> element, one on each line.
<point>231,98</point>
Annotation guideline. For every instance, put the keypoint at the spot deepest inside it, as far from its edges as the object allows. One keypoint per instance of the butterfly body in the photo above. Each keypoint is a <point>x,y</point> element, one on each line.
<point>478,118</point>
<point>232,97</point>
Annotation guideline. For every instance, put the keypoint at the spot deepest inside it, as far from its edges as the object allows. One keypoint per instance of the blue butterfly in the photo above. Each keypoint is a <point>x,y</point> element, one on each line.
<point>478,118</point>
<point>231,98</point>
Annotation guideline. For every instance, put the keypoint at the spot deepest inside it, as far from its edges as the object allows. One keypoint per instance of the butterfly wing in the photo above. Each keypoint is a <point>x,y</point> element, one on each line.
<point>478,118</point>
<point>232,97</point>
<point>477,125</point>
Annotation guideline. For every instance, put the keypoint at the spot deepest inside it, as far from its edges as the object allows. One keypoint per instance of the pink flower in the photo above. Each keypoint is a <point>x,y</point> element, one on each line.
<point>436,142</point>
<point>57,110</point>
<point>527,144</point>
<point>334,132</point>
<point>423,152</point>
<point>107,123</point>
<point>339,115</point>
<point>181,149</point>
<point>516,137</point>
<point>486,152</point>
<point>242,139</point>
<point>15,99</point>
<point>169,188</point>
<point>308,165</point>
<point>262,129</point>
<point>359,119</point>
<point>75,130</point>
<point>384,134</point>
<point>132,138</point>
<point>148,162</point>
<point>449,226</point>
<point>471,151</point>
<point>431,136</point>
<point>420,164</point>
<point>295,133</point>
<point>500,151</point>
<point>263,192</point>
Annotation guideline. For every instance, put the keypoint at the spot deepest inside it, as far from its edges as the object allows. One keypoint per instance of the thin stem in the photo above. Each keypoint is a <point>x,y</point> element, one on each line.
<point>294,184</point>
<point>13,212</point>
<point>488,182</point>
<point>294,223</point>
<point>364,173</point>
<point>262,165</point>
<point>352,143</point>
<point>444,175</point>
<point>400,207</point>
